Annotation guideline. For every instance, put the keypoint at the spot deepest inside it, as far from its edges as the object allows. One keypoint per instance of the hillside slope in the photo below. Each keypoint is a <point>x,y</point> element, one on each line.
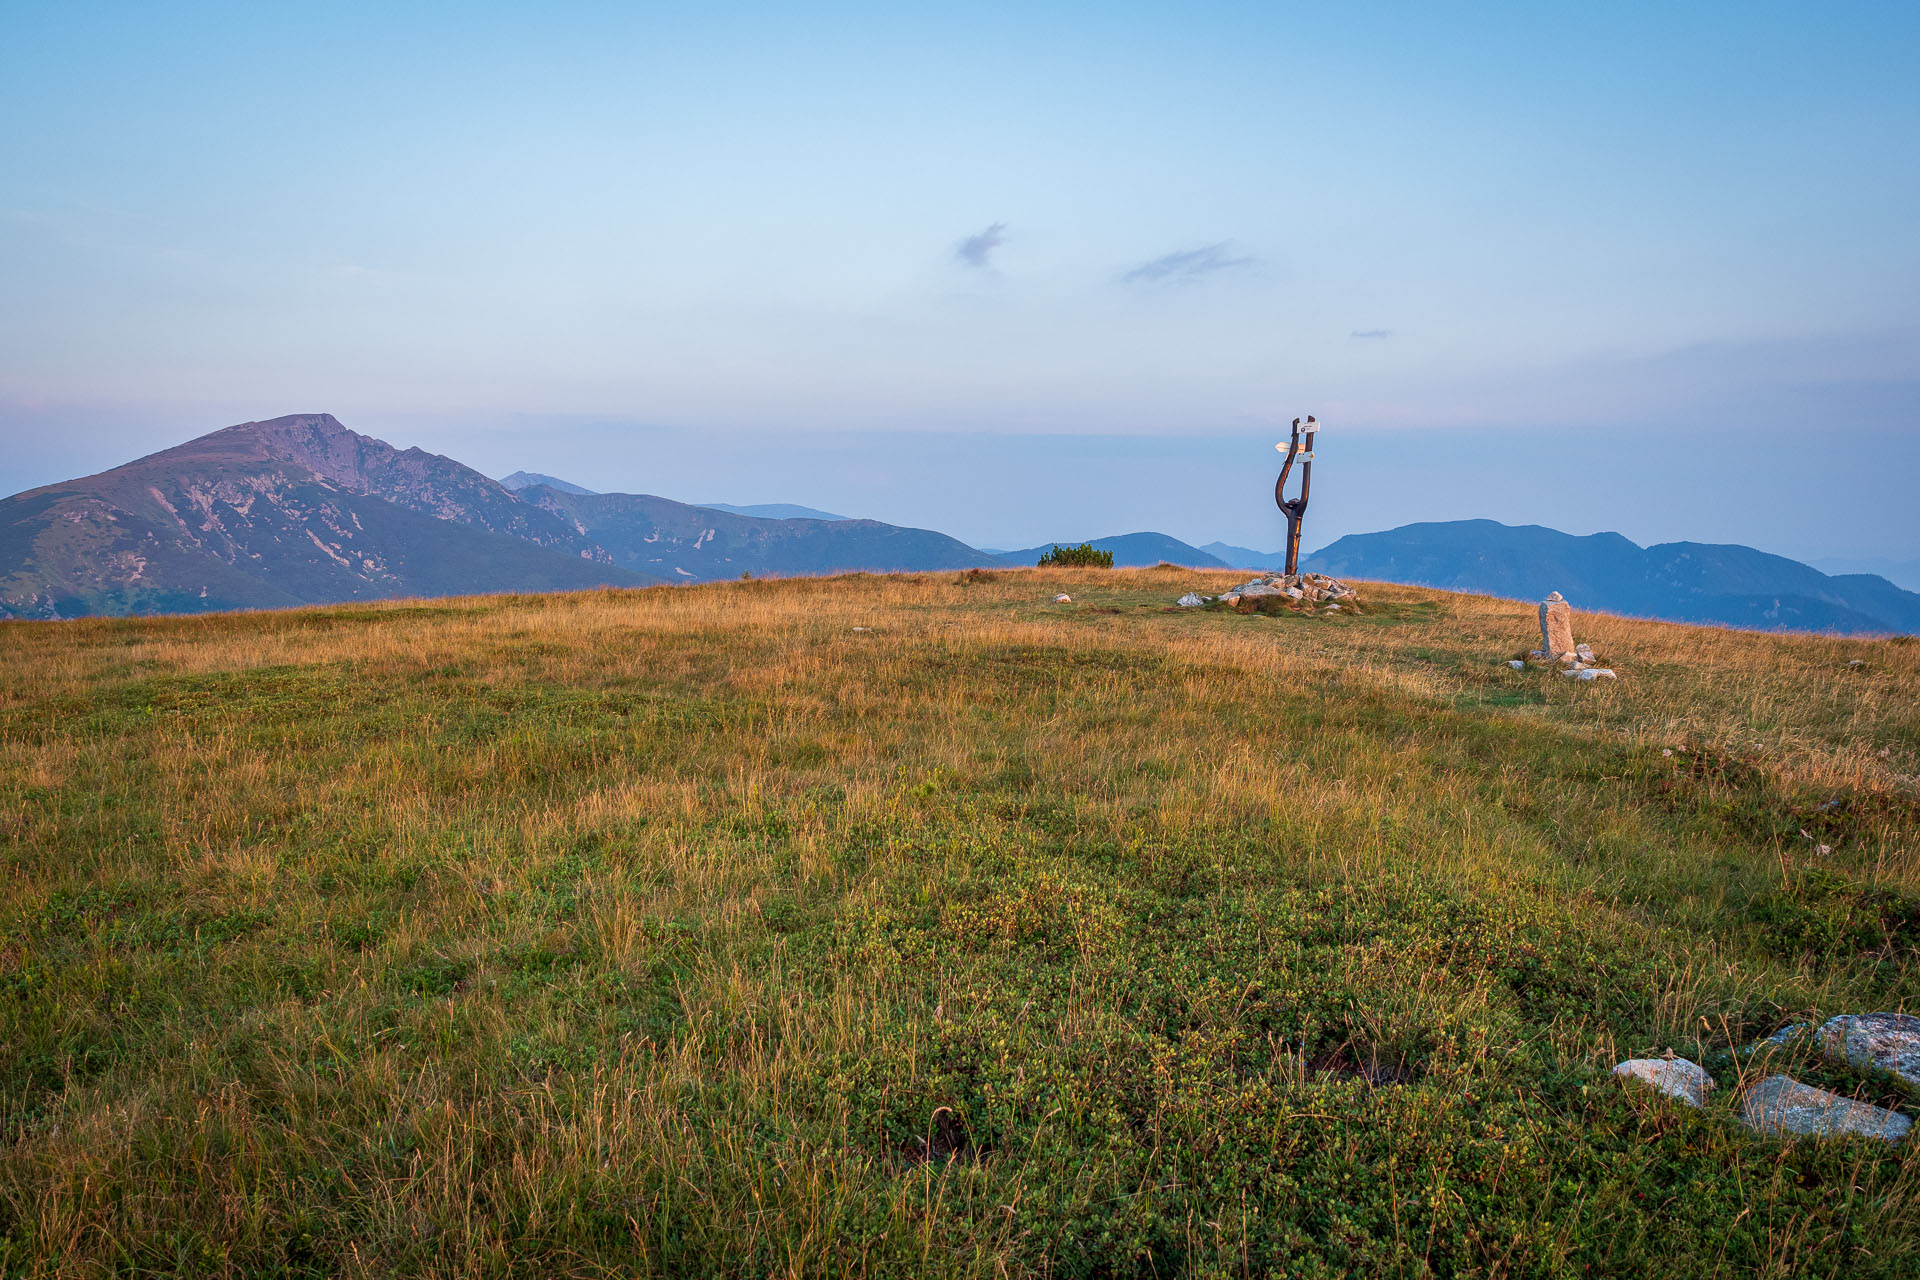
<point>1681,581</point>
<point>921,926</point>
<point>679,542</point>
<point>265,514</point>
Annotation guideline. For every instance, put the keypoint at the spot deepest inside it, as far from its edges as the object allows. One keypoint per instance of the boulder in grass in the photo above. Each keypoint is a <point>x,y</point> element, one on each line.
<point>1888,1042</point>
<point>1782,1105</point>
<point>1675,1077</point>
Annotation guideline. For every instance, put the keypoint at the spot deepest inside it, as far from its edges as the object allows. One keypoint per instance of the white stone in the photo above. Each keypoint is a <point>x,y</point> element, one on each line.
<point>1590,673</point>
<point>1675,1077</point>
<point>1191,600</point>
<point>1063,598</point>
<point>1782,1105</point>
<point>1517,665</point>
<point>1888,1042</point>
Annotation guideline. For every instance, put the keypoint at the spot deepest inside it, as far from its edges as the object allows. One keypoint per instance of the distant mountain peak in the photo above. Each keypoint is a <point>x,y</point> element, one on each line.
<point>527,479</point>
<point>772,511</point>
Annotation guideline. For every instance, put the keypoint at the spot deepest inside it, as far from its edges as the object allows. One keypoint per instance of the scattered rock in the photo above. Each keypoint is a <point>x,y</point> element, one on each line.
<point>1822,849</point>
<point>1063,598</point>
<point>1191,600</point>
<point>1590,673</point>
<point>1888,1042</point>
<point>1517,665</point>
<point>1306,588</point>
<point>1675,1077</point>
<point>1782,1105</point>
<point>860,628</point>
<point>1556,626</point>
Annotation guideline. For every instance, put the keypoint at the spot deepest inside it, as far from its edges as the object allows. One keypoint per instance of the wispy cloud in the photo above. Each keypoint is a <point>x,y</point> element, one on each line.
<point>1373,333</point>
<point>1189,264</point>
<point>977,250</point>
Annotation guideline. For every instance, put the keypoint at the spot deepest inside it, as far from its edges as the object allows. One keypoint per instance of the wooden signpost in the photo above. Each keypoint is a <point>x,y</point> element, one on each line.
<point>1298,449</point>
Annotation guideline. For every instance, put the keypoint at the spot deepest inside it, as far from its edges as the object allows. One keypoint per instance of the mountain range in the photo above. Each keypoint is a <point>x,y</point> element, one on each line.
<point>1130,550</point>
<point>773,511</point>
<point>301,510</point>
<point>1678,581</point>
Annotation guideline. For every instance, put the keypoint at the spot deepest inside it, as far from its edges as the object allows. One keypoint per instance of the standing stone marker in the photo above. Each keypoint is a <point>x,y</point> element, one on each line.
<point>1556,627</point>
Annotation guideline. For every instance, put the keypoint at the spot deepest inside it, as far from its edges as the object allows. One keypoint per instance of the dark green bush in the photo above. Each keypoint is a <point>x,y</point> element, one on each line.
<point>1084,556</point>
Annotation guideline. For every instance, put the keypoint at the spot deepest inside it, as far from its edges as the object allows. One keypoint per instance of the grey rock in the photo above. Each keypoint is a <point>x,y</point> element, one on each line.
<point>1782,1105</point>
<point>1517,665</point>
<point>1590,673</point>
<point>1191,600</point>
<point>1785,1035</point>
<point>1675,1077</point>
<point>1888,1042</point>
<point>1063,598</point>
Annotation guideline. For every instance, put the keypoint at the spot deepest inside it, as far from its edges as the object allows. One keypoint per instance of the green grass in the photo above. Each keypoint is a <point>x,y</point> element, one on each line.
<point>693,932</point>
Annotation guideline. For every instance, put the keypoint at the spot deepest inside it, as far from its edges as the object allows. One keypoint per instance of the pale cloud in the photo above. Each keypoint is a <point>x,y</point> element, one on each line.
<point>1188,264</point>
<point>977,250</point>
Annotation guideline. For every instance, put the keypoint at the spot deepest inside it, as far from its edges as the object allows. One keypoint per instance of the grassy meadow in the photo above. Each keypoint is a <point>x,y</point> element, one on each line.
<point>919,926</point>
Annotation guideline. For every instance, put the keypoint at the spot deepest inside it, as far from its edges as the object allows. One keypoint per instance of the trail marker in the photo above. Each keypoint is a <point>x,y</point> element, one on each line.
<point>1297,449</point>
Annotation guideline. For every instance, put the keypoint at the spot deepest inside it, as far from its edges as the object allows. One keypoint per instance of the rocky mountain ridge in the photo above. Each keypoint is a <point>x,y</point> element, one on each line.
<point>302,510</point>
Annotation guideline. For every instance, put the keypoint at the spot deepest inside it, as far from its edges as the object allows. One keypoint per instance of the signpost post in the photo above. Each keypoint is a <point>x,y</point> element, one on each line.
<point>1298,450</point>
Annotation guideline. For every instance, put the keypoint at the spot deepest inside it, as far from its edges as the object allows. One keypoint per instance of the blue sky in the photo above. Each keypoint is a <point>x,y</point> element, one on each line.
<point>1016,272</point>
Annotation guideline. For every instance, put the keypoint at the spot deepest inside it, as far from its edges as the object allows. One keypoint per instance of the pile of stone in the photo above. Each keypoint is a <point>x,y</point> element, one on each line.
<point>1304,588</point>
<point>1885,1045</point>
<point>1576,661</point>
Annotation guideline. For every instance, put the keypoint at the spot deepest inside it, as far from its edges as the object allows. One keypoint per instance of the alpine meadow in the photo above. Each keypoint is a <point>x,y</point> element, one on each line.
<point>916,925</point>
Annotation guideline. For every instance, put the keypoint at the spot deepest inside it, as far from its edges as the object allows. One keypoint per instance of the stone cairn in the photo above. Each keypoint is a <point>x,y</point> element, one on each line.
<point>1309,589</point>
<point>1576,661</point>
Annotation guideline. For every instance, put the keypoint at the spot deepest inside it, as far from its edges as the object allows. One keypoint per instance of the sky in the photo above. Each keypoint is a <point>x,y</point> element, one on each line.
<point>1015,272</point>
